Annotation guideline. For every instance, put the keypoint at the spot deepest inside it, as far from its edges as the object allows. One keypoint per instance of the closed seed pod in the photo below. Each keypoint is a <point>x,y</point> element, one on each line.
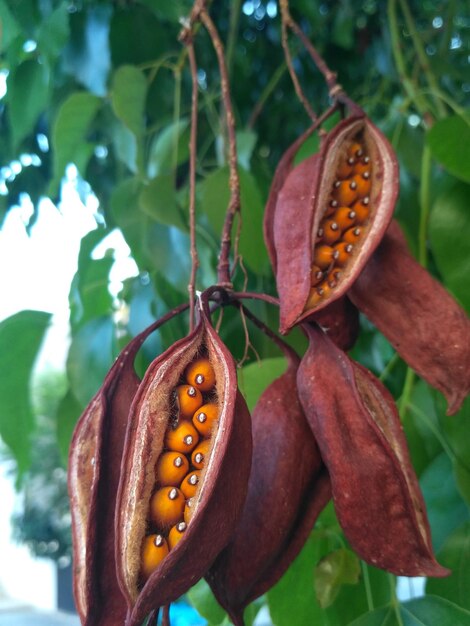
<point>313,196</point>
<point>220,492</point>
<point>93,477</point>
<point>418,316</point>
<point>287,490</point>
<point>375,490</point>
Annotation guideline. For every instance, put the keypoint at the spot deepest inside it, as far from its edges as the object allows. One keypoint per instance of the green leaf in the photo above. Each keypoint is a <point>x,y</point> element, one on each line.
<point>158,201</point>
<point>20,339</point>
<point>69,133</point>
<point>334,570</point>
<point>254,378</point>
<point>384,616</point>
<point>28,88</point>
<point>455,555</point>
<point>202,599</point>
<point>54,32</point>
<point>449,140</point>
<point>446,509</point>
<point>68,412</point>
<point>433,611</point>
<point>125,145</point>
<point>128,98</point>
<point>169,148</point>
<point>449,226</point>
<point>125,210</point>
<point>90,357</point>
<point>246,142</point>
<point>9,27</point>
<point>215,194</point>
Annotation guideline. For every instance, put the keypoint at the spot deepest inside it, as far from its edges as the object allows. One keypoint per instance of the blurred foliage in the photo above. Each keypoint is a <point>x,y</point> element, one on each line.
<point>105,85</point>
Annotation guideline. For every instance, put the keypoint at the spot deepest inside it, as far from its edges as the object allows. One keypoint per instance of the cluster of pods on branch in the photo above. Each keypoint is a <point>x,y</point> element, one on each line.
<point>327,428</point>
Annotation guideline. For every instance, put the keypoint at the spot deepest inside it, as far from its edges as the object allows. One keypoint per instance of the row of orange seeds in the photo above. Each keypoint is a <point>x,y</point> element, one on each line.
<point>342,224</point>
<point>178,469</point>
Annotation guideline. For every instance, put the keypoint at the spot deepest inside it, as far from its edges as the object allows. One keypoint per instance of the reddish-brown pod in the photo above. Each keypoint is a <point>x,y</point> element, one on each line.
<point>219,487</point>
<point>420,318</point>
<point>330,215</point>
<point>93,478</point>
<point>288,489</point>
<point>375,490</point>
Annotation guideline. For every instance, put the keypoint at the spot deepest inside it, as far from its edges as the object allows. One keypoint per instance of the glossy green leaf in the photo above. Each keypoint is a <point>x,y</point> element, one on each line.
<point>254,378</point>
<point>28,89</point>
<point>169,148</point>
<point>334,570</point>
<point>449,140</point>
<point>128,95</point>
<point>215,194</point>
<point>10,28</point>
<point>445,506</point>
<point>158,201</point>
<point>433,611</point>
<point>449,226</point>
<point>455,555</point>
<point>90,357</point>
<point>69,133</point>
<point>68,412</point>
<point>54,32</point>
<point>246,142</point>
<point>202,599</point>
<point>427,611</point>
<point>21,336</point>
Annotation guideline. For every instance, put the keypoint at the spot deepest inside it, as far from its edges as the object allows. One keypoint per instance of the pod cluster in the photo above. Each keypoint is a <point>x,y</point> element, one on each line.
<point>342,225</point>
<point>187,444</point>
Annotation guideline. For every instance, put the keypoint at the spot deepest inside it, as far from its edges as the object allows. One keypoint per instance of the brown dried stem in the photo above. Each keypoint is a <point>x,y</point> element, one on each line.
<point>192,180</point>
<point>223,268</point>
<point>334,88</point>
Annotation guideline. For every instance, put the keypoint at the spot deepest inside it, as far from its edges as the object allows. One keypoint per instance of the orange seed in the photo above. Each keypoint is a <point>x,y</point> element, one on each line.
<point>183,438</point>
<point>172,467</point>
<point>342,253</point>
<point>345,191</point>
<point>205,418</point>
<point>176,534</point>
<point>154,550</point>
<point>323,256</point>
<point>199,454</point>
<point>190,484</point>
<point>189,399</point>
<point>200,374</point>
<point>166,507</point>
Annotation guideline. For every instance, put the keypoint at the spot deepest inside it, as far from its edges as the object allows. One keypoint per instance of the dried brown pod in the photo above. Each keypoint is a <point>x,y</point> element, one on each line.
<point>419,317</point>
<point>330,215</point>
<point>375,490</point>
<point>93,478</point>
<point>288,489</point>
<point>223,481</point>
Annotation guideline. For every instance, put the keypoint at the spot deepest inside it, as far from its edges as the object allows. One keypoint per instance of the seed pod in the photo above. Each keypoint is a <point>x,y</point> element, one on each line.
<point>314,195</point>
<point>375,490</point>
<point>93,477</point>
<point>222,487</point>
<point>418,316</point>
<point>287,490</point>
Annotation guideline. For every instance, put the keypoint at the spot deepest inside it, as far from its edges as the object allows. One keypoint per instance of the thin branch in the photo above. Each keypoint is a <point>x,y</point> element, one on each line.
<point>192,180</point>
<point>290,66</point>
<point>223,267</point>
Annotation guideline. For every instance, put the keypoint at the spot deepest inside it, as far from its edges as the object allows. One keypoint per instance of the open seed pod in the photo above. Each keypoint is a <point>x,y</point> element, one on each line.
<point>375,490</point>
<point>288,489</point>
<point>166,535</point>
<point>93,479</point>
<point>419,317</point>
<point>331,214</point>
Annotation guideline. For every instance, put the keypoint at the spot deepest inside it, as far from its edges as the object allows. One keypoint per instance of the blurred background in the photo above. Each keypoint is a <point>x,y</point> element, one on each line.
<point>94,128</point>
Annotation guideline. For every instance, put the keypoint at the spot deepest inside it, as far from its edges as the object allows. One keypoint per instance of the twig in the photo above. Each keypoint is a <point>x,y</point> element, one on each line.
<point>192,181</point>
<point>223,267</point>
<point>282,345</point>
<point>285,45</point>
<point>248,343</point>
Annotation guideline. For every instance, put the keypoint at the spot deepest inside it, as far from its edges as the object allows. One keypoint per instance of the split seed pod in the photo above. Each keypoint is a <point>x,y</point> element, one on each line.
<point>375,490</point>
<point>93,478</point>
<point>288,489</point>
<point>222,483</point>
<point>328,221</point>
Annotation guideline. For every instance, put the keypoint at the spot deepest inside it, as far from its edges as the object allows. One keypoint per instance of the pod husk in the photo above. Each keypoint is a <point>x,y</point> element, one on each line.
<point>219,501</point>
<point>375,490</point>
<point>301,204</point>
<point>93,478</point>
<point>422,321</point>
<point>288,488</point>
